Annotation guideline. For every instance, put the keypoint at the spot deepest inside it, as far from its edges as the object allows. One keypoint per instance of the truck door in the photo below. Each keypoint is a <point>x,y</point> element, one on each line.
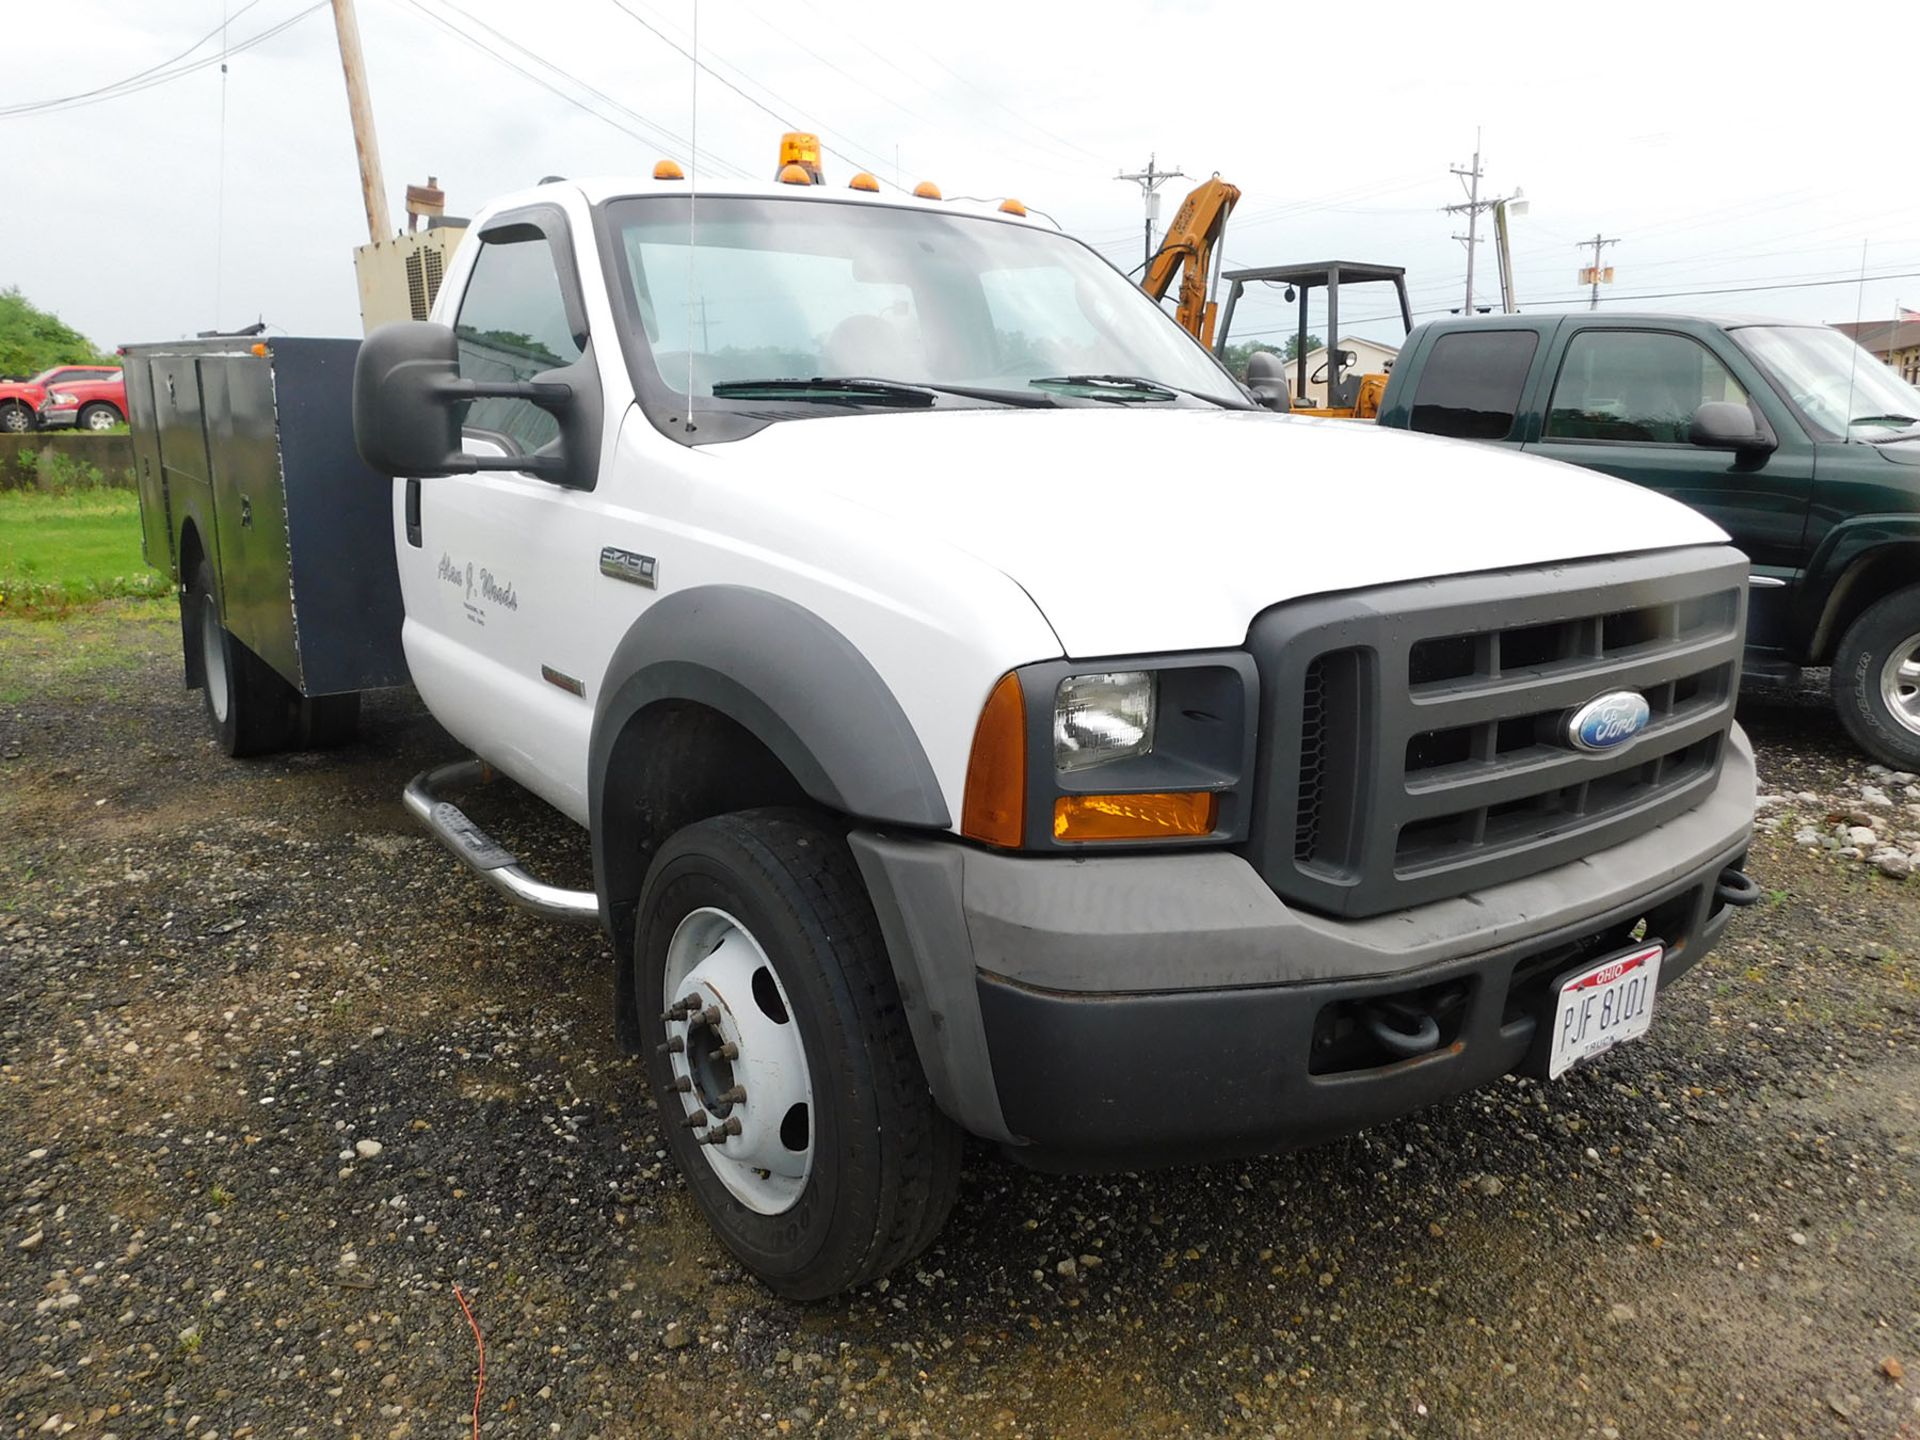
<point>1622,402</point>
<point>497,632</point>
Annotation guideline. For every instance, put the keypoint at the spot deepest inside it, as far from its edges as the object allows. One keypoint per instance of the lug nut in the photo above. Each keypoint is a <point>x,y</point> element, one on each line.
<point>672,1046</point>
<point>695,1120</point>
<point>682,1084</point>
<point>728,1051</point>
<point>710,1015</point>
<point>736,1096</point>
<point>719,1134</point>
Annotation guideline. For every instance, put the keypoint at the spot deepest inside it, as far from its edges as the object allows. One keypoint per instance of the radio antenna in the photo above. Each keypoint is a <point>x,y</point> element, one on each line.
<point>693,199</point>
<point>1853,367</point>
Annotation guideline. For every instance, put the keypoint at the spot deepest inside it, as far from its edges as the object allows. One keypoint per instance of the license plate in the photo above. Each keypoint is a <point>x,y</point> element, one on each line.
<point>1600,1007</point>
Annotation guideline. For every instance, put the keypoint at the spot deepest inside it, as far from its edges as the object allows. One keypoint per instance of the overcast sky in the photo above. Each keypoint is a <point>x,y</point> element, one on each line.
<point>1721,147</point>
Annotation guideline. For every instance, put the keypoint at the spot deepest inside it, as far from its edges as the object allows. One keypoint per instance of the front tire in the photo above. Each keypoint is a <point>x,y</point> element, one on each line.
<point>97,417</point>
<point>1876,679</point>
<point>250,709</point>
<point>785,1074</point>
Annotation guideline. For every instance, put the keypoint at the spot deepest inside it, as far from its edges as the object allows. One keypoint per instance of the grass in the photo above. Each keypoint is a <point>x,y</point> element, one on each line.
<point>62,550</point>
<point>94,651</point>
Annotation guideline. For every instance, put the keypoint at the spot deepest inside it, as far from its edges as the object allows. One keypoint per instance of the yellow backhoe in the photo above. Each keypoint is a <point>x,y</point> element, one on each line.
<point>1193,250</point>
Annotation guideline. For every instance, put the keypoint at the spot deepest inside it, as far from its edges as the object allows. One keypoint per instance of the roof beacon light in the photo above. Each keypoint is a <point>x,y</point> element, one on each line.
<point>668,170</point>
<point>1011,206</point>
<point>927,190</point>
<point>864,181</point>
<point>797,147</point>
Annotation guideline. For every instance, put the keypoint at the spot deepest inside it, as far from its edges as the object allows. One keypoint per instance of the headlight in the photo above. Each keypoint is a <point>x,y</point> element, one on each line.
<point>60,398</point>
<point>1100,718</point>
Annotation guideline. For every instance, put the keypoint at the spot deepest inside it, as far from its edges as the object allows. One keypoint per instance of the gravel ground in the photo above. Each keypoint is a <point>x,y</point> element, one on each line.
<point>277,1077</point>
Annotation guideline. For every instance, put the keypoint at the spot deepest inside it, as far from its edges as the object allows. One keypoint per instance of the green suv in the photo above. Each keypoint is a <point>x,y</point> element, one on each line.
<point>1801,445</point>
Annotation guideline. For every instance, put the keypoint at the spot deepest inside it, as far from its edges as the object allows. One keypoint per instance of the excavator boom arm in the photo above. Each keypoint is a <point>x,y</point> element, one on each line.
<point>1188,249</point>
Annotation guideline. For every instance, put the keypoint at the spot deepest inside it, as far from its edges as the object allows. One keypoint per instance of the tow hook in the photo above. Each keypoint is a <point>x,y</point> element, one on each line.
<point>1404,1029</point>
<point>1736,887</point>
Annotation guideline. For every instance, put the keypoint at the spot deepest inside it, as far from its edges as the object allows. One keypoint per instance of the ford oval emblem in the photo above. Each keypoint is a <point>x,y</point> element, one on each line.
<point>1609,720</point>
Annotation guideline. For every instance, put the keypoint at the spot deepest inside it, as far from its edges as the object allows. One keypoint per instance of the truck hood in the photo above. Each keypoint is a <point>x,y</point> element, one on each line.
<point>1138,530</point>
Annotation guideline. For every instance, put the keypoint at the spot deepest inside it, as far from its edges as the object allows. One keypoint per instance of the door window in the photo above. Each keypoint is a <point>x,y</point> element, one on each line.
<point>1470,384</point>
<point>513,326</point>
<point>1635,386</point>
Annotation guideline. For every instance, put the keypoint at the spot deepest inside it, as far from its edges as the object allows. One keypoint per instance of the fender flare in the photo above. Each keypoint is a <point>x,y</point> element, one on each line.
<point>1844,552</point>
<point>790,679</point>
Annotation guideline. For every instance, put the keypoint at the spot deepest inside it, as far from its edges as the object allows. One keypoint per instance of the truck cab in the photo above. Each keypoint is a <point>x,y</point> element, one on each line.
<point>1802,446</point>
<point>989,721</point>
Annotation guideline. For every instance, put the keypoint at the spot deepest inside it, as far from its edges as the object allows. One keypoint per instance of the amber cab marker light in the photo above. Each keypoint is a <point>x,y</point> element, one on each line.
<point>927,190</point>
<point>795,175</point>
<point>995,805</point>
<point>1011,206</point>
<point>1156,816</point>
<point>864,181</point>
<point>668,170</point>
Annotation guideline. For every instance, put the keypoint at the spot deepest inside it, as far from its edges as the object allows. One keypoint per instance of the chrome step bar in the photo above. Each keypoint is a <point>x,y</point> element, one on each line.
<point>488,859</point>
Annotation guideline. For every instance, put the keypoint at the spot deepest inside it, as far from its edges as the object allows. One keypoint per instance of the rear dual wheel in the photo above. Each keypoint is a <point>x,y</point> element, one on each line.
<point>785,1074</point>
<point>250,709</point>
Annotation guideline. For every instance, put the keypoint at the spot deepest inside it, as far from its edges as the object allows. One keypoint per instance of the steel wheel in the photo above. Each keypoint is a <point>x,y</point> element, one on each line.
<point>1900,684</point>
<point>737,1061</point>
<point>213,659</point>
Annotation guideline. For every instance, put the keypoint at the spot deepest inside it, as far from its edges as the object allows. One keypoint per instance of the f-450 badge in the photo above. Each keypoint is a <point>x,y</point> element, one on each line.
<point>626,565</point>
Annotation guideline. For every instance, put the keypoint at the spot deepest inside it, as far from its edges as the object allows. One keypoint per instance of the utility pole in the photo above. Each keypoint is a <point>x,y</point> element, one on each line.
<point>373,188</point>
<point>1150,180</point>
<point>1594,274</point>
<point>1470,177</point>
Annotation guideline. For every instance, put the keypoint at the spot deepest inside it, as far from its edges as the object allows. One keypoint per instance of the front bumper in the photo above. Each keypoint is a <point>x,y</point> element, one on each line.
<point>59,419</point>
<point>1130,1010</point>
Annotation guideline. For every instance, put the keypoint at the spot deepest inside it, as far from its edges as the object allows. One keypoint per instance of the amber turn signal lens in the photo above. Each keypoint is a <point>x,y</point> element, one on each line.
<point>795,175</point>
<point>995,807</point>
<point>864,181</point>
<point>668,170</point>
<point>1011,206</point>
<point>1135,817</point>
<point>927,190</point>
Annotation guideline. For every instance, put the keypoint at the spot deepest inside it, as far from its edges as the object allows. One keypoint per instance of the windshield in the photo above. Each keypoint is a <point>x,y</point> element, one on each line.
<point>1842,387</point>
<point>804,289</point>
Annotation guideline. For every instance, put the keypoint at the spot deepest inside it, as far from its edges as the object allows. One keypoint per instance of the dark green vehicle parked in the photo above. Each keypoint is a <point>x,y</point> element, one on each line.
<point>1799,444</point>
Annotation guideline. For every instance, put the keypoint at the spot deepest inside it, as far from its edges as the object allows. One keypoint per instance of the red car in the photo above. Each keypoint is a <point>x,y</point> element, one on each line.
<point>20,400</point>
<point>96,402</point>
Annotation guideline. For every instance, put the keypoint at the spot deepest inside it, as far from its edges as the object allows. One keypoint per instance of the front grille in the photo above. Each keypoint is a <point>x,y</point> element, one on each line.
<point>1313,761</point>
<point>1418,742</point>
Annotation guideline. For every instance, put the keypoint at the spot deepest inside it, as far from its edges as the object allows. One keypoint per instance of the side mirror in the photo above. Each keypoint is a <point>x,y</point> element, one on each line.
<point>1267,380</point>
<point>1726,425</point>
<point>409,400</point>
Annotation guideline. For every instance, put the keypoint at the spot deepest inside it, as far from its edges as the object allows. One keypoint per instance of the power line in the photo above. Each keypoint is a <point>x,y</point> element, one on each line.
<point>156,75</point>
<point>651,132</point>
<point>870,164</point>
<point>219,29</point>
<point>1056,154</point>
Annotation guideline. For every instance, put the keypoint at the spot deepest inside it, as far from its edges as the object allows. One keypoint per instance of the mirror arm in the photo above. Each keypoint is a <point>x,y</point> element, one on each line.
<point>547,394</point>
<point>545,467</point>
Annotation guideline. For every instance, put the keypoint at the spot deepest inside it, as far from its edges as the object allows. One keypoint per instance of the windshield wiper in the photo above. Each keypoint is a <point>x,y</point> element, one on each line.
<point>828,388</point>
<point>1117,386</point>
<point>1876,419</point>
<point>869,389</point>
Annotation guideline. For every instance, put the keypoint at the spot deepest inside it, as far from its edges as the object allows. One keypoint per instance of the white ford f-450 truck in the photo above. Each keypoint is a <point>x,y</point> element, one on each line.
<point>987,718</point>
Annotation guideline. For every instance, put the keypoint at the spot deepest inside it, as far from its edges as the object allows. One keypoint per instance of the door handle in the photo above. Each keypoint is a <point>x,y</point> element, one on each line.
<point>413,512</point>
